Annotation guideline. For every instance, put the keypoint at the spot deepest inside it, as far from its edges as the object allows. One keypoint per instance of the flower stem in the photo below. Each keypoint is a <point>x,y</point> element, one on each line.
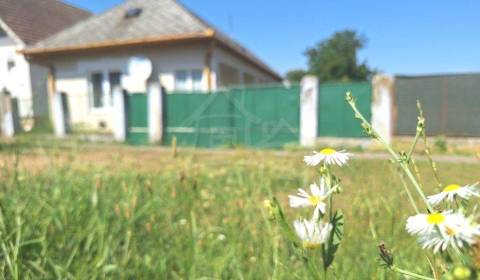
<point>411,274</point>
<point>403,164</point>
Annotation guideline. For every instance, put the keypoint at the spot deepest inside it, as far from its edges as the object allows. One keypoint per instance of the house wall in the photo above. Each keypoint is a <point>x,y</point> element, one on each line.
<point>15,75</point>
<point>226,65</point>
<point>73,74</point>
<point>23,80</point>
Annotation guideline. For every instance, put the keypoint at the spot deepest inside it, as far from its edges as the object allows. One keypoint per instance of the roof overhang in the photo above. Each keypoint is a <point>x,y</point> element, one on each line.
<point>39,51</point>
<point>208,35</point>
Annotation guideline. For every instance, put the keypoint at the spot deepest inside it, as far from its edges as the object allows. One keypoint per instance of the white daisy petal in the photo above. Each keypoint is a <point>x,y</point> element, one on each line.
<point>450,192</point>
<point>312,233</point>
<point>438,231</point>
<point>329,156</point>
<point>315,199</point>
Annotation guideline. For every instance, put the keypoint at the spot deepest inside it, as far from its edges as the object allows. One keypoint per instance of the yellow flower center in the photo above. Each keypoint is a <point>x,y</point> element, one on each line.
<point>451,188</point>
<point>310,245</point>
<point>435,219</point>
<point>328,151</point>
<point>315,199</point>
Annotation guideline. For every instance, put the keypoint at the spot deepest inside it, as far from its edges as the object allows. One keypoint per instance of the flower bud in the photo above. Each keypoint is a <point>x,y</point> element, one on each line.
<point>385,255</point>
<point>462,273</point>
<point>349,97</point>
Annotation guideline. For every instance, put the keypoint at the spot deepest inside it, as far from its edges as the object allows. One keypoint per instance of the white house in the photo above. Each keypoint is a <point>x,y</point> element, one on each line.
<point>88,59</point>
<point>22,23</point>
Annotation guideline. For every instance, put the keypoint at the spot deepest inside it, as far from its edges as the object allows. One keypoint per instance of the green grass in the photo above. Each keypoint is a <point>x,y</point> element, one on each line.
<point>113,212</point>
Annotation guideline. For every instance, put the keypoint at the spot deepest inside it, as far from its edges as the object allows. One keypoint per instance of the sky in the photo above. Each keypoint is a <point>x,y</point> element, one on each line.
<point>404,37</point>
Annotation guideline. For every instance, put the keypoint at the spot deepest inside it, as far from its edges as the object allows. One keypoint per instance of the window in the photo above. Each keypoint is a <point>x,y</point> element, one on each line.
<point>248,79</point>
<point>181,80</point>
<point>133,13</point>
<point>97,90</point>
<point>115,79</point>
<point>197,80</point>
<point>3,34</point>
<point>189,80</point>
<point>102,85</point>
<point>10,64</point>
<point>228,75</point>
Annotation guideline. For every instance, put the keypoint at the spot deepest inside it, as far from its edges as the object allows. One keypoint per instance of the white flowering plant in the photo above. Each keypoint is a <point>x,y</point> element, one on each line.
<point>319,235</point>
<point>445,224</point>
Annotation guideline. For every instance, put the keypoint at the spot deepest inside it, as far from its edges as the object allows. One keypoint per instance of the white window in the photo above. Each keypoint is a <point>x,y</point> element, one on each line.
<point>101,88</point>
<point>197,80</point>
<point>114,79</point>
<point>181,80</point>
<point>189,80</point>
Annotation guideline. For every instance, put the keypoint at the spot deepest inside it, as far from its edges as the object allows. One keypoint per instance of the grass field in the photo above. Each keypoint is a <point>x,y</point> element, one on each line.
<point>114,212</point>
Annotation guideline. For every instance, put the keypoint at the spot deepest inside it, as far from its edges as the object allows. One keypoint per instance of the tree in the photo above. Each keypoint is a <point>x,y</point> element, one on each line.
<point>335,59</point>
<point>296,75</point>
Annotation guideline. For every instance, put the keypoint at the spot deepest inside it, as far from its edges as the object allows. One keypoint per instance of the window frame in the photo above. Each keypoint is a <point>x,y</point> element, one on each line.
<point>189,81</point>
<point>106,87</point>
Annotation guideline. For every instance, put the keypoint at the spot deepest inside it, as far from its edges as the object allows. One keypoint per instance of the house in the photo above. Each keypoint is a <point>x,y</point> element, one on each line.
<point>88,59</point>
<point>23,23</point>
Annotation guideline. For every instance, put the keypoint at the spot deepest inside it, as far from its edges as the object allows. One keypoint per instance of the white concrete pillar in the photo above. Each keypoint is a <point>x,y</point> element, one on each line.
<point>382,106</point>
<point>8,126</point>
<point>59,116</point>
<point>120,113</point>
<point>155,112</point>
<point>309,110</point>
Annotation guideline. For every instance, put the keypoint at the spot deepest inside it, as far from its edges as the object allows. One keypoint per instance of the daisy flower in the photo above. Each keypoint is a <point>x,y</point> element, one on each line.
<point>438,231</point>
<point>316,198</point>
<point>312,233</point>
<point>451,191</point>
<point>329,156</point>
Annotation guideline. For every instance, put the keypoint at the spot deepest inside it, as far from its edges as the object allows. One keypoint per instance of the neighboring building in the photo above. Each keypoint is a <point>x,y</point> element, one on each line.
<point>188,54</point>
<point>22,23</point>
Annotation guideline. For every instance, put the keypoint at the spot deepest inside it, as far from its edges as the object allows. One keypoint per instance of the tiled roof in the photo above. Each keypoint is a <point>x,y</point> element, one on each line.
<point>34,20</point>
<point>156,21</point>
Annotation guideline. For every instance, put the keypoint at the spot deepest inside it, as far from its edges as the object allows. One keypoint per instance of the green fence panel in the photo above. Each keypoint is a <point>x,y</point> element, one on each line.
<point>451,104</point>
<point>335,117</point>
<point>198,119</point>
<point>267,117</point>
<point>137,119</point>
<point>254,117</point>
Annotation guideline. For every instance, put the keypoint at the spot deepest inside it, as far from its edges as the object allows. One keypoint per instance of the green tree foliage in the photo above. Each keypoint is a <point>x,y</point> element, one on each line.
<point>296,75</point>
<point>335,59</point>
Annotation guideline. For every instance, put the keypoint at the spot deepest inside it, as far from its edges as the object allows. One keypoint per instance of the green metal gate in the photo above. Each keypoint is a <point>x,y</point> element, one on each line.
<point>137,119</point>
<point>254,117</point>
<point>335,117</point>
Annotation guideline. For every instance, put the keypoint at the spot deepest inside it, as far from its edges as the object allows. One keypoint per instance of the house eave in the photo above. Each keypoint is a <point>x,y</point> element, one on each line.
<point>105,45</point>
<point>207,35</point>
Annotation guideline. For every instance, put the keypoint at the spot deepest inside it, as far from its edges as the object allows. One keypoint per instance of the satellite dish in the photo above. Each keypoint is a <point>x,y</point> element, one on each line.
<point>140,68</point>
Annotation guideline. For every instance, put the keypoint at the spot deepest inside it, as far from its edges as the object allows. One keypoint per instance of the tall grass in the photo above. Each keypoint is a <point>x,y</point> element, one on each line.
<point>81,213</point>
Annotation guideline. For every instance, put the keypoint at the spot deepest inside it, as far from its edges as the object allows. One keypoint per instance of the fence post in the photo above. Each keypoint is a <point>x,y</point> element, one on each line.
<point>8,125</point>
<point>155,112</point>
<point>120,113</point>
<point>382,105</point>
<point>308,110</point>
<point>60,115</point>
